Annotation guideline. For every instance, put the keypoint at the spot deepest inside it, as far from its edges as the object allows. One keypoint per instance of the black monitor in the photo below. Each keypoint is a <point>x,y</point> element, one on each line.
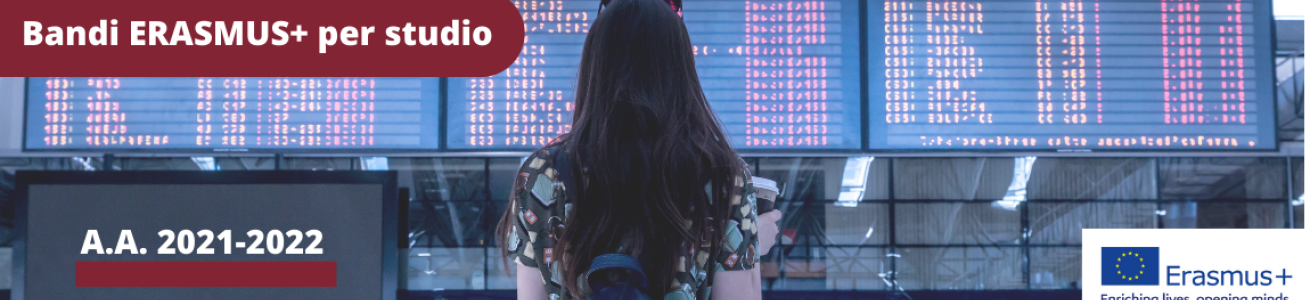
<point>205,235</point>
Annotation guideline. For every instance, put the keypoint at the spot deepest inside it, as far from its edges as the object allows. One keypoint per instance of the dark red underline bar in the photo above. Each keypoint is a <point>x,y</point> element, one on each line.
<point>206,274</point>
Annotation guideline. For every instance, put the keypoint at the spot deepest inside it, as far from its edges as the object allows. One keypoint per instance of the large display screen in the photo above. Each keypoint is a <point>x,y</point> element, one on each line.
<point>781,75</point>
<point>206,235</point>
<point>1074,74</point>
<point>232,113</point>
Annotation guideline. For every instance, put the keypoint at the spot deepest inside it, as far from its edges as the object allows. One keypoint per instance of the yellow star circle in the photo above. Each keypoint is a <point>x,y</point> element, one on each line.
<point>1139,272</point>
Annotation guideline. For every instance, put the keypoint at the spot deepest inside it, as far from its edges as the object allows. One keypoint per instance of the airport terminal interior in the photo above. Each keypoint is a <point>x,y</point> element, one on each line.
<point>926,223</point>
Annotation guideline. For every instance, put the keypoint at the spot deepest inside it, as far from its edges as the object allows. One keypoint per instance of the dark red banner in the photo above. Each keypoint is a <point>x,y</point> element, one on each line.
<point>165,38</point>
<point>206,274</point>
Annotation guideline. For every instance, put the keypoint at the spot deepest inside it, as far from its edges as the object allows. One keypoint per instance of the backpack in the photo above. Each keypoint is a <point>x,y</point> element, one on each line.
<point>633,289</point>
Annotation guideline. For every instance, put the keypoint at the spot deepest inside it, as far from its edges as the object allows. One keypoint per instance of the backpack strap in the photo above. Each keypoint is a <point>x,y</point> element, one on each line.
<point>615,261</point>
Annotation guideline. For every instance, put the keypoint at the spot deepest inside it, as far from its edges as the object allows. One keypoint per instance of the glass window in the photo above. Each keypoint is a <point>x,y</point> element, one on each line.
<point>804,179</point>
<point>795,268</point>
<point>10,162</point>
<point>321,164</point>
<point>245,163</point>
<point>443,179</point>
<point>820,223</point>
<point>1207,178</point>
<point>957,224</point>
<point>803,223</point>
<point>951,178</point>
<point>1241,215</point>
<point>1056,267</point>
<point>1061,178</point>
<point>1298,177</point>
<point>447,268</point>
<point>504,170</point>
<point>864,224</point>
<point>451,223</point>
<point>1062,223</point>
<point>855,268</point>
<point>971,268</point>
<point>495,210</point>
<point>1299,214</point>
<point>1298,192</point>
<point>879,180</point>
<point>753,163</point>
<point>1225,214</point>
<point>6,265</point>
<point>448,204</point>
<point>497,278</point>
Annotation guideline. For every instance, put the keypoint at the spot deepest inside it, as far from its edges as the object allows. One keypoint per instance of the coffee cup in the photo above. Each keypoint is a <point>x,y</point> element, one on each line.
<point>766,192</point>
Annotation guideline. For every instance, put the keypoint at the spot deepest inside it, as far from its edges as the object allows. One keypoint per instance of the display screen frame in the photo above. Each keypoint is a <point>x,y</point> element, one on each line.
<point>387,180</point>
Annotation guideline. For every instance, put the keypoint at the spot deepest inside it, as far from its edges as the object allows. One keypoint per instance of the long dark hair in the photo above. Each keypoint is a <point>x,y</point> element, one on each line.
<point>645,148</point>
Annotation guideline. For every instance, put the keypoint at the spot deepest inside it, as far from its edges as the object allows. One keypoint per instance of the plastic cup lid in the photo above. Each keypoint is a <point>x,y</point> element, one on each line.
<point>764,183</point>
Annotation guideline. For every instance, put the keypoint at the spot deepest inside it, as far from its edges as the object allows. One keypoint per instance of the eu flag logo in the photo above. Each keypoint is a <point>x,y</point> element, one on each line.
<point>1130,266</point>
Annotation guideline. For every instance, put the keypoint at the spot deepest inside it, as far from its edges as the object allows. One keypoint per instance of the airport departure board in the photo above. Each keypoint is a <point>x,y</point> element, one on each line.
<point>1070,75</point>
<point>1073,74</point>
<point>781,75</point>
<point>232,113</point>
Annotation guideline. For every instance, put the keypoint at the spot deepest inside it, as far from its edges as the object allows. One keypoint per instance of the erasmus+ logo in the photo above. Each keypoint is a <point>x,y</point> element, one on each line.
<point>1130,266</point>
